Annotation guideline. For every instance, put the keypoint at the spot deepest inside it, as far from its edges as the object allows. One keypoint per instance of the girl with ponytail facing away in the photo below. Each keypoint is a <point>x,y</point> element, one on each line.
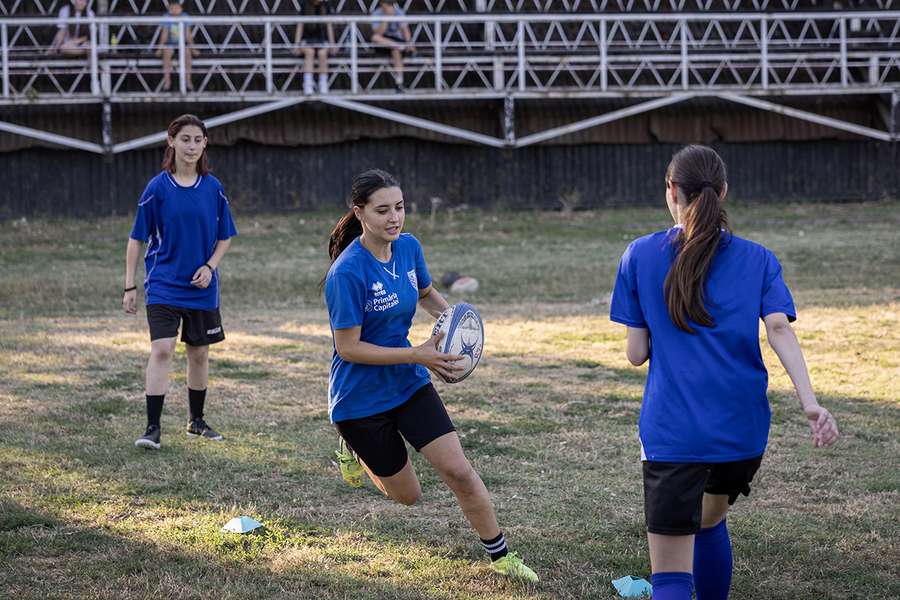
<point>691,298</point>
<point>380,394</point>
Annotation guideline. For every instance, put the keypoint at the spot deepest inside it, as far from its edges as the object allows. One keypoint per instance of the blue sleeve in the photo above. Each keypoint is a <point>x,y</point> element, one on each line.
<point>776,297</point>
<point>423,277</point>
<point>346,299</point>
<point>144,221</point>
<point>226,227</point>
<point>625,305</point>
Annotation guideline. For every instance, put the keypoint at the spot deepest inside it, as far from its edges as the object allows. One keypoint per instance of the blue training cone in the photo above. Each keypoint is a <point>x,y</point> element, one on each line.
<point>632,587</point>
<point>241,524</point>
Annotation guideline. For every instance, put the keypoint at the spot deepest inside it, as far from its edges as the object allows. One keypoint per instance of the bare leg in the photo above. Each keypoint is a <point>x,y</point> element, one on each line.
<point>188,57</point>
<point>157,376</point>
<point>323,61</point>
<point>308,55</point>
<point>167,68</point>
<point>446,455</point>
<point>397,59</point>
<point>671,553</point>
<point>197,367</point>
<point>75,47</point>
<point>402,487</point>
<point>715,507</point>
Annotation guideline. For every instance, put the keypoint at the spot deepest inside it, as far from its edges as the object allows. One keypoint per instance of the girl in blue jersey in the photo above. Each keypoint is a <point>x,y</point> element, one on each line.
<point>184,217</point>
<point>380,392</point>
<point>691,298</point>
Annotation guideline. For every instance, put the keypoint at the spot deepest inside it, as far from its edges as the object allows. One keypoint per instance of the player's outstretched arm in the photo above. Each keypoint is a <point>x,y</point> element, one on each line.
<point>785,344</point>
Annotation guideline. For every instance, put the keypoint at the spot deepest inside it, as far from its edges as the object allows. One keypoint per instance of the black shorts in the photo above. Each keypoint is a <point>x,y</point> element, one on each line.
<point>387,49</point>
<point>377,440</point>
<point>673,492</point>
<point>313,40</point>
<point>198,327</point>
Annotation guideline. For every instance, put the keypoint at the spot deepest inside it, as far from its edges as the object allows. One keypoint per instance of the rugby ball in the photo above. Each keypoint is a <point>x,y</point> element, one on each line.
<point>463,336</point>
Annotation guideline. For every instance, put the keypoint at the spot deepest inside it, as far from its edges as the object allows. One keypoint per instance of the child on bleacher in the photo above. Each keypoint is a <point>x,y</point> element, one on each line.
<point>393,38</point>
<point>168,44</point>
<point>310,39</point>
<point>73,39</point>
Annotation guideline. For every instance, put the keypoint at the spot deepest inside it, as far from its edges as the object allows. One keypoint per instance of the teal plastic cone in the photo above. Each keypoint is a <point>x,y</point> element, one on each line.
<point>632,587</point>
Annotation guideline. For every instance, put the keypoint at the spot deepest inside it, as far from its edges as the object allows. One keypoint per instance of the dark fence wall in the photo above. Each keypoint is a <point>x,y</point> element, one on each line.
<point>42,181</point>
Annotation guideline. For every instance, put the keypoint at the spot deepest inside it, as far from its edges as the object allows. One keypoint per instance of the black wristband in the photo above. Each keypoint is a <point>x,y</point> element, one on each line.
<point>131,289</point>
<point>208,267</point>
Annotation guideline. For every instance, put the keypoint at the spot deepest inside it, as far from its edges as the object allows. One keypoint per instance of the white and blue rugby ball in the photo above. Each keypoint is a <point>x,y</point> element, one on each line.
<point>463,336</point>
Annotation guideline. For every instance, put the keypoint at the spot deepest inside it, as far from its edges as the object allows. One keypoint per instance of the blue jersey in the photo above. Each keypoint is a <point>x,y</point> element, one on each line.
<point>381,298</point>
<point>705,396</point>
<point>181,226</point>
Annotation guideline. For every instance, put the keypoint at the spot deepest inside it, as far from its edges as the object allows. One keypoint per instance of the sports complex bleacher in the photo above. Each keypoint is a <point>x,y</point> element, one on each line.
<point>653,53</point>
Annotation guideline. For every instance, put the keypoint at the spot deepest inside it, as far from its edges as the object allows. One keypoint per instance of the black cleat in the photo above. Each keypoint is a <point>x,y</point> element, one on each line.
<point>199,428</point>
<point>150,439</point>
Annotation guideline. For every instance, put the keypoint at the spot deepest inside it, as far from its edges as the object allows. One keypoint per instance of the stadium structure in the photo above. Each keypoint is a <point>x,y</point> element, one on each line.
<point>541,103</point>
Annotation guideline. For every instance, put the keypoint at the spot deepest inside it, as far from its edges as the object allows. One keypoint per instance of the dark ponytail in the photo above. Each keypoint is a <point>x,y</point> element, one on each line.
<point>348,228</point>
<point>700,177</point>
<point>168,163</point>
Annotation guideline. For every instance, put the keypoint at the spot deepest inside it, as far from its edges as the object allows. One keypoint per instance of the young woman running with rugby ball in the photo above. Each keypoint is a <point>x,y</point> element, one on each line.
<point>691,298</point>
<point>184,217</point>
<point>379,391</point>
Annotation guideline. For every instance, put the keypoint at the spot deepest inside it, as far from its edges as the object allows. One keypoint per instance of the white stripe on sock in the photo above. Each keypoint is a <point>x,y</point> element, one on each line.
<point>495,547</point>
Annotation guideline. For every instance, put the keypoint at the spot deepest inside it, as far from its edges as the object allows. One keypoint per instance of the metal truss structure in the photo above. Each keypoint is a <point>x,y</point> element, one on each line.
<point>654,59</point>
<point>275,7</point>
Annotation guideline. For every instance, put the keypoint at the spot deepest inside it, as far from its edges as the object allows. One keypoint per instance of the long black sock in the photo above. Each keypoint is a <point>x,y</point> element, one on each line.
<point>154,408</point>
<point>496,547</point>
<point>196,399</point>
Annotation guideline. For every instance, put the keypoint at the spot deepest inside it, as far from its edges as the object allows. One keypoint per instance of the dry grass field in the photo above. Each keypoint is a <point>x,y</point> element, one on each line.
<point>548,420</point>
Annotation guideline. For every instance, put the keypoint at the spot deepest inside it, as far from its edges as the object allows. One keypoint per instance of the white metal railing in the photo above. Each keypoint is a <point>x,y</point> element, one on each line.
<point>249,58</point>
<point>271,7</point>
<point>668,58</point>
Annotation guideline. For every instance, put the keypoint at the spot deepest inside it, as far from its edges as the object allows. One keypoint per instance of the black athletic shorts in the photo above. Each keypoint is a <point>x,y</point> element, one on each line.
<point>673,492</point>
<point>198,327</point>
<point>378,440</point>
<point>387,49</point>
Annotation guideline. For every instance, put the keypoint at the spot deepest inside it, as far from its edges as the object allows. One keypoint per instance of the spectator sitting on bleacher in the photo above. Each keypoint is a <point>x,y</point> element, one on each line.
<point>73,39</point>
<point>310,40</point>
<point>168,44</point>
<point>394,38</point>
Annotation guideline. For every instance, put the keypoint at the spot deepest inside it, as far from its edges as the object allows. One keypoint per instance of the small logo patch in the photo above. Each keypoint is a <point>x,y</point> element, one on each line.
<point>413,280</point>
<point>214,331</point>
<point>377,286</point>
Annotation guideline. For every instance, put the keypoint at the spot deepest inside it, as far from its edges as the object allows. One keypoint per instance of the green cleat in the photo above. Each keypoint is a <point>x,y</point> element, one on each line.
<point>512,566</point>
<point>351,470</point>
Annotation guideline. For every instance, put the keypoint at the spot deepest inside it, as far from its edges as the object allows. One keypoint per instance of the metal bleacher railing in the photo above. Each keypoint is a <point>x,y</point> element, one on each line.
<point>657,57</point>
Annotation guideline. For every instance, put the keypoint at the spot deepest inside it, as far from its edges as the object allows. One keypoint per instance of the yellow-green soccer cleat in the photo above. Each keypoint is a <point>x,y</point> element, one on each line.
<point>512,566</point>
<point>351,470</point>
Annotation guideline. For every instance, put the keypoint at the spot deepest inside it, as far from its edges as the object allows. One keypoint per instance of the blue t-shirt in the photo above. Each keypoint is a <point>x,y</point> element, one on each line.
<point>362,291</point>
<point>705,396</point>
<point>181,226</point>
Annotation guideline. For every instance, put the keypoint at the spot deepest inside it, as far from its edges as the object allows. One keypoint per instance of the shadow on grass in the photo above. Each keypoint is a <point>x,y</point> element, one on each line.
<point>39,553</point>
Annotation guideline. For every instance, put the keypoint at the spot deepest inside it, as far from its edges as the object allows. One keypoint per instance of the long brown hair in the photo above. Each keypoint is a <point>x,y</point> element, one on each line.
<point>348,227</point>
<point>700,177</point>
<point>168,163</point>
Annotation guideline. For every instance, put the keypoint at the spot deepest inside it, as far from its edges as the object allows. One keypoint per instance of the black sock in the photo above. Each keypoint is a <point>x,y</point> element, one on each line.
<point>154,408</point>
<point>196,398</point>
<point>496,547</point>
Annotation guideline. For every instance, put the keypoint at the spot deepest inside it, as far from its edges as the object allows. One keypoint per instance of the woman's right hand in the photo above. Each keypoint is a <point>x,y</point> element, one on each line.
<point>438,362</point>
<point>822,425</point>
<point>129,302</point>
